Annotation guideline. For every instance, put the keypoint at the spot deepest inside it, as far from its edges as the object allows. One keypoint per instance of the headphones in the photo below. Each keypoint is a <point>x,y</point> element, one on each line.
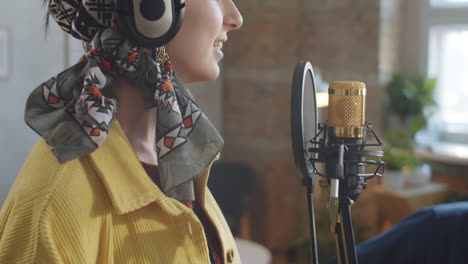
<point>149,23</point>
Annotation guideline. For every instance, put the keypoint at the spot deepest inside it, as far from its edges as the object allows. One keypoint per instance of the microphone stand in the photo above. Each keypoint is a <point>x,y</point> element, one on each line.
<point>339,210</point>
<point>309,183</point>
<point>339,203</point>
<point>344,233</point>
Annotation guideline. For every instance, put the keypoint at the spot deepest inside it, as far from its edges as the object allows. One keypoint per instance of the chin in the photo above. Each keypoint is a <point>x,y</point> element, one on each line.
<point>203,75</point>
<point>214,74</point>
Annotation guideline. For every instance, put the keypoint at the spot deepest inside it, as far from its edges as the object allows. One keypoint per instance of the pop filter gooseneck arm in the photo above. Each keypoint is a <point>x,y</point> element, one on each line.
<point>303,129</point>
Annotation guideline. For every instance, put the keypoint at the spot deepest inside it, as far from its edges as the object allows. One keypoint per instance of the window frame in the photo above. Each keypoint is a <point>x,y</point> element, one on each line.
<point>437,16</point>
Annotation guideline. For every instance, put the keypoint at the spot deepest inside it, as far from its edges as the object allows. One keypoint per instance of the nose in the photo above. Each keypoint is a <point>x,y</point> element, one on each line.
<point>232,17</point>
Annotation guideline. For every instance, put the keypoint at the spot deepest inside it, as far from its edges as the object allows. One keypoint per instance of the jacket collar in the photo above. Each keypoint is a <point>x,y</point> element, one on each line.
<point>127,183</point>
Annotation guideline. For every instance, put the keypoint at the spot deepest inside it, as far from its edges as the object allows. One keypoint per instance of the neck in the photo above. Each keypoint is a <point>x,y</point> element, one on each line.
<point>137,122</point>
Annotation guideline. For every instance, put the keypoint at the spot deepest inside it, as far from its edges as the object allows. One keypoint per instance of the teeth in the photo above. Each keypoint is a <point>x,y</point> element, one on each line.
<point>218,44</point>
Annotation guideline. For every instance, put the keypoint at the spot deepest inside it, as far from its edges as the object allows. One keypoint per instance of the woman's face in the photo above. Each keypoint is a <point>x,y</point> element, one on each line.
<point>196,49</point>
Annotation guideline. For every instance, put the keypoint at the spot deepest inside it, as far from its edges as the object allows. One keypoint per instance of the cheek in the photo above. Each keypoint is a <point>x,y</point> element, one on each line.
<point>192,50</point>
<point>202,25</point>
<point>200,35</point>
<point>186,51</point>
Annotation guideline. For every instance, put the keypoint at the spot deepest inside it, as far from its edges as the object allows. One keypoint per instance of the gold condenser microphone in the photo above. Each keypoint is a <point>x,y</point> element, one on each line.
<point>346,109</point>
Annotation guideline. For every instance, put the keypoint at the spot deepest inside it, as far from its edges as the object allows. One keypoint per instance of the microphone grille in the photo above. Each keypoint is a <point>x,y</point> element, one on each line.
<point>346,108</point>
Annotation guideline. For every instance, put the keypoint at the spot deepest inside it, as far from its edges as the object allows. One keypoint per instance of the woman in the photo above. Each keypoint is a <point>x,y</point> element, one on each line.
<point>120,174</point>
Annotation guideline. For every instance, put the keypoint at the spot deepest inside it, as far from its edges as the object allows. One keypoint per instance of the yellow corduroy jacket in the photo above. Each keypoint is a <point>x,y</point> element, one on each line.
<point>103,208</point>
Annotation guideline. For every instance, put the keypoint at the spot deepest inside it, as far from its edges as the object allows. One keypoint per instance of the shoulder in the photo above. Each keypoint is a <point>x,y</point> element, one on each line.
<point>45,184</point>
<point>49,204</point>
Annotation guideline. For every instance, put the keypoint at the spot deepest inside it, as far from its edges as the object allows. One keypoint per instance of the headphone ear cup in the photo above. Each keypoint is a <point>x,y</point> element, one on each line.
<point>150,23</point>
<point>152,10</point>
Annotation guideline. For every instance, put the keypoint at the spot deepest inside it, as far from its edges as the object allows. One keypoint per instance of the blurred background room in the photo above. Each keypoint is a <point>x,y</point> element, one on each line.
<point>412,55</point>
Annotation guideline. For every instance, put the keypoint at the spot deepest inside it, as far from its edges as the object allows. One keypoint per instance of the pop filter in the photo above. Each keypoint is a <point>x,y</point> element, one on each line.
<point>303,130</point>
<point>303,117</point>
<point>342,151</point>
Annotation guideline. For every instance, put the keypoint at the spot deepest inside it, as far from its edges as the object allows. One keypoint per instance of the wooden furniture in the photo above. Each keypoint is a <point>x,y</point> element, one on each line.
<point>393,206</point>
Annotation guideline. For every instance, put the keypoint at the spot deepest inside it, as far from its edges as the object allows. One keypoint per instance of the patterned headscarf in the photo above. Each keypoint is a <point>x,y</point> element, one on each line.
<point>82,18</point>
<point>73,111</point>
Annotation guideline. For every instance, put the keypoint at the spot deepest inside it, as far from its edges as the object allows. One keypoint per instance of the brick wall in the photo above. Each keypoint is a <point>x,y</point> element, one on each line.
<point>344,39</point>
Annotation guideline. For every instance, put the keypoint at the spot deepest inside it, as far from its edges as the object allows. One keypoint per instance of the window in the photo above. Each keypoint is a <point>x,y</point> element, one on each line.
<point>443,26</point>
<point>448,60</point>
<point>449,3</point>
